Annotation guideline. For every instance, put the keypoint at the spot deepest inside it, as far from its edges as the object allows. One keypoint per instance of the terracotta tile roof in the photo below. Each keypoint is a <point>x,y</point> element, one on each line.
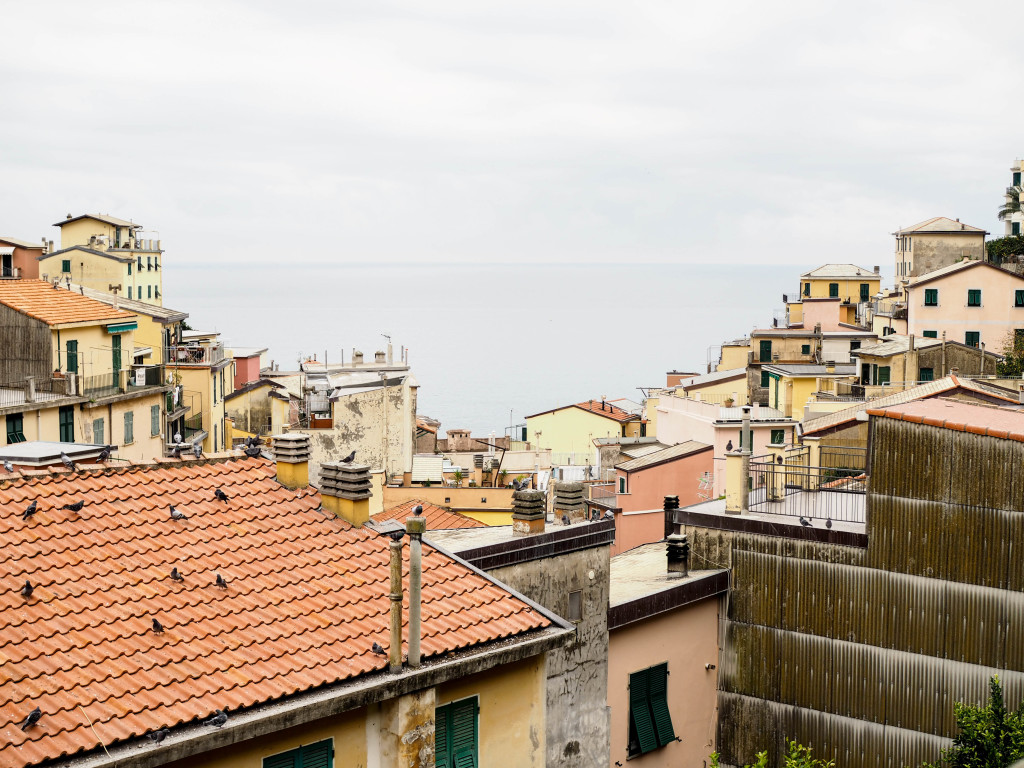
<point>940,224</point>
<point>960,416</point>
<point>55,306</point>
<point>438,518</point>
<point>306,598</point>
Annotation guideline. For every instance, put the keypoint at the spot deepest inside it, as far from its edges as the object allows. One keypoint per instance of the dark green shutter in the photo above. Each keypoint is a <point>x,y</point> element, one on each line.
<point>285,760</point>
<point>765,379</point>
<point>316,755</point>
<point>807,289</point>
<point>640,712</point>
<point>464,736</point>
<point>931,297</point>
<point>972,338</point>
<point>1018,298</point>
<point>115,349</point>
<point>72,362</point>
<point>927,374</point>
<point>805,349</point>
<point>833,290</point>
<point>865,289</point>
<point>765,351</point>
<point>442,747</point>
<point>974,297</point>
<point>15,428</point>
<point>883,374</point>
<point>66,419</point>
<point>930,334</point>
<point>657,683</point>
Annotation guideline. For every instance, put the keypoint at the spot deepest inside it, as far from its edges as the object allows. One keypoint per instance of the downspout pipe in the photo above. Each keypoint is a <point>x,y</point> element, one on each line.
<point>395,645</point>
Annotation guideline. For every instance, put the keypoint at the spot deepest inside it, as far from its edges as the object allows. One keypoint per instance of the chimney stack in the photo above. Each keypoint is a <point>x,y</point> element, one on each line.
<point>569,502</point>
<point>527,513</point>
<point>345,490</point>
<point>415,527</point>
<point>678,554</point>
<point>671,505</point>
<point>878,270</point>
<point>291,452</point>
<point>379,357</point>
<point>478,468</point>
<point>830,366</point>
<point>357,357</point>
<point>395,643</point>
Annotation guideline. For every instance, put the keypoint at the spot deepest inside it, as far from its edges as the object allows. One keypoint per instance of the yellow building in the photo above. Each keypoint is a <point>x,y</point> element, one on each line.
<point>310,662</point>
<point>569,432</point>
<point>205,374</point>
<point>734,354</point>
<point>722,387</point>
<point>101,251</point>
<point>68,376</point>
<point>791,387</point>
<point>848,282</point>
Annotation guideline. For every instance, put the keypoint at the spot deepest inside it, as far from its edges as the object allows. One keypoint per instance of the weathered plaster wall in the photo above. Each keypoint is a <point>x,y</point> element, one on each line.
<point>577,674</point>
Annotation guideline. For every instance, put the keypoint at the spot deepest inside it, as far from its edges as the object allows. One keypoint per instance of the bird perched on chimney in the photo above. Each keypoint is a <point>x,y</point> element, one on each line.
<point>252,451</point>
<point>565,519</point>
<point>157,627</point>
<point>30,510</point>
<point>26,591</point>
<point>66,461</point>
<point>220,495</point>
<point>175,576</point>
<point>349,459</point>
<point>516,485</point>
<point>378,649</point>
<point>158,736</point>
<point>417,510</point>
<point>76,507</point>
<point>396,535</point>
<point>728,446</point>
<point>32,719</point>
<point>220,717</point>
<point>220,582</point>
<point>176,515</point>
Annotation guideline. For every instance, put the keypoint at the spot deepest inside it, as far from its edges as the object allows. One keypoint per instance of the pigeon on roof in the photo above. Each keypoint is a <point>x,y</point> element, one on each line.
<point>32,719</point>
<point>197,450</point>
<point>76,507</point>
<point>30,510</point>
<point>158,736</point>
<point>220,495</point>
<point>516,485</point>
<point>220,582</point>
<point>565,519</point>
<point>252,452</point>
<point>104,454</point>
<point>378,649</point>
<point>175,576</point>
<point>396,535</point>
<point>176,452</point>
<point>26,591</point>
<point>157,627</point>
<point>66,461</point>
<point>219,718</point>
<point>349,459</point>
<point>176,515</point>
<point>8,467</point>
<point>828,522</point>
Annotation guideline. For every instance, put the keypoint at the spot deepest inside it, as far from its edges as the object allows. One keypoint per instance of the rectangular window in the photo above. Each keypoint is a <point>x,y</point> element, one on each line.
<point>129,269</point>
<point>833,290</point>
<point>972,338</point>
<point>575,612</point>
<point>455,735</point>
<point>1015,228</point>
<point>97,432</point>
<point>778,436</point>
<point>215,389</point>
<point>72,361</point>
<point>129,292</point>
<point>1016,178</point>
<point>154,420</point>
<point>129,427</point>
<point>927,374</point>
<point>931,297</point>
<point>215,438</point>
<point>1018,298</point>
<point>149,291</point>
<point>65,265</point>
<point>318,755</point>
<point>15,428</point>
<point>66,420</point>
<point>149,263</point>
<point>807,289</point>
<point>930,334</point>
<point>854,345</point>
<point>764,349</point>
<point>140,263</point>
<point>883,374</point>
<point>650,724</point>
<point>865,291</point>
<point>765,378</point>
<point>974,297</point>
<point>622,485</point>
<point>805,349</point>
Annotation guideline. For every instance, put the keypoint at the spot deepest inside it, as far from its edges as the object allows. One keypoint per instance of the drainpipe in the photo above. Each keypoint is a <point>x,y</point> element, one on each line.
<point>415,526</point>
<point>395,649</point>
<point>943,354</point>
<point>981,347</point>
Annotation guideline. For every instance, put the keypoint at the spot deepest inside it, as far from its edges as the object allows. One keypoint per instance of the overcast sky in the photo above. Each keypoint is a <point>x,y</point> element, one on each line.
<point>454,130</point>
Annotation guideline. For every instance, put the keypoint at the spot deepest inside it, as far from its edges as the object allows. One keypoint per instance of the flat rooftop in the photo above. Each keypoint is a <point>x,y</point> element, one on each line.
<point>644,570</point>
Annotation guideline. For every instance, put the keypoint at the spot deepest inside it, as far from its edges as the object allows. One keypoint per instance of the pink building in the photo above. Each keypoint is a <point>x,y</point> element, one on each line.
<point>972,302</point>
<point>19,258</point>
<point>642,484</point>
<point>662,660</point>
<point>681,419</point>
<point>248,362</point>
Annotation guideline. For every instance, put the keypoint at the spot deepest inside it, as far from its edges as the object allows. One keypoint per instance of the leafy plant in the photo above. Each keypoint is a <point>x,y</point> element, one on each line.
<point>797,756</point>
<point>1005,248</point>
<point>457,476</point>
<point>501,477</point>
<point>1012,365</point>
<point>990,736</point>
<point>1012,204</point>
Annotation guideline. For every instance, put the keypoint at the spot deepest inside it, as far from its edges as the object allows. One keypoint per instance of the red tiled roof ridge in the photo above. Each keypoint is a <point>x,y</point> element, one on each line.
<point>894,412</point>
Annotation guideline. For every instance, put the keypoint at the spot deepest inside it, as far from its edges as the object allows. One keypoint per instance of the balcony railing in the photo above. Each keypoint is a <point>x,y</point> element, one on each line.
<point>816,493</point>
<point>193,354</point>
<point>193,425</point>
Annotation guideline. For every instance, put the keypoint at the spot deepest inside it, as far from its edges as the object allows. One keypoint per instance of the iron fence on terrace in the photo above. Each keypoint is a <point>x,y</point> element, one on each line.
<point>814,493</point>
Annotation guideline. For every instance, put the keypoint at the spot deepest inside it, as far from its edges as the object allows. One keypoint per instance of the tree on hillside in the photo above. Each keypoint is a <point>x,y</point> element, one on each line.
<point>990,736</point>
<point>1012,204</point>
<point>1013,351</point>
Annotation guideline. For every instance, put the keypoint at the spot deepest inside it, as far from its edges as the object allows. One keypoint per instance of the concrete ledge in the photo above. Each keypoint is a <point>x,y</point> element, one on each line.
<point>666,600</point>
<point>764,528</point>
<point>538,546</point>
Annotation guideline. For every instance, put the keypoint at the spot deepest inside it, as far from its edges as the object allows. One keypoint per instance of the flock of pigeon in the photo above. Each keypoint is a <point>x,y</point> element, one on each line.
<point>220,716</point>
<point>807,523</point>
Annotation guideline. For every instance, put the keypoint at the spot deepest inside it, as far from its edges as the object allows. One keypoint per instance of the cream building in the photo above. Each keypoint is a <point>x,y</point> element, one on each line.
<point>936,243</point>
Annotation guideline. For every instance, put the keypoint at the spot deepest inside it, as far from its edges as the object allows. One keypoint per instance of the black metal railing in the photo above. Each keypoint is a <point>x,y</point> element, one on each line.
<point>813,493</point>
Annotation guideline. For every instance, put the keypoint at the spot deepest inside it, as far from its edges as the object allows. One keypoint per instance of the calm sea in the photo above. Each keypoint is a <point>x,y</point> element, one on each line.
<point>490,343</point>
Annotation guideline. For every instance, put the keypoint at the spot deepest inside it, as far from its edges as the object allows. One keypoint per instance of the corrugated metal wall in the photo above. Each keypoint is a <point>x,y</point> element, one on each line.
<point>859,653</point>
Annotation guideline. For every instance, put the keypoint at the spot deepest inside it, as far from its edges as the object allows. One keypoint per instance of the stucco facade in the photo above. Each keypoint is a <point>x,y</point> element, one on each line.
<point>23,261</point>
<point>569,433</point>
<point>936,243</point>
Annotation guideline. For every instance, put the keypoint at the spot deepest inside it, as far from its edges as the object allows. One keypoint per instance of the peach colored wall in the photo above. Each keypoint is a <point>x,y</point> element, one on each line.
<point>687,638</point>
<point>992,319</point>
<point>25,260</point>
<point>246,369</point>
<point>647,488</point>
<point>824,311</point>
<point>637,528</point>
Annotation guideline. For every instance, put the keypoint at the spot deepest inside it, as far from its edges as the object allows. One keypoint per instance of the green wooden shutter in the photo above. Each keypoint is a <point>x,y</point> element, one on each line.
<point>66,421</point>
<point>640,712</point>
<point>833,290</point>
<point>288,759</point>
<point>154,420</point>
<point>657,684</point>
<point>115,349</point>
<point>765,351</point>
<point>883,374</point>
<point>316,755</point>
<point>442,747</point>
<point>72,362</point>
<point>129,427</point>
<point>865,289</point>
<point>930,334</point>
<point>464,735</point>
<point>97,432</point>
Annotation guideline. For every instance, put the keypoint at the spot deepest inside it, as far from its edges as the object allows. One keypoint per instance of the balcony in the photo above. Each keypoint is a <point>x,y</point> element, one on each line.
<point>121,382</point>
<point>30,390</point>
<point>194,354</point>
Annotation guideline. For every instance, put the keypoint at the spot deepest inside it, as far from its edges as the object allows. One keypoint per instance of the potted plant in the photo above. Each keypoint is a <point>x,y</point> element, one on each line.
<point>728,402</point>
<point>457,477</point>
<point>501,477</point>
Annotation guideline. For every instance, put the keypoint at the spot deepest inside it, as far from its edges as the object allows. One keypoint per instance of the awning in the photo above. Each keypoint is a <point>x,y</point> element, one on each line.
<point>122,327</point>
<point>427,468</point>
